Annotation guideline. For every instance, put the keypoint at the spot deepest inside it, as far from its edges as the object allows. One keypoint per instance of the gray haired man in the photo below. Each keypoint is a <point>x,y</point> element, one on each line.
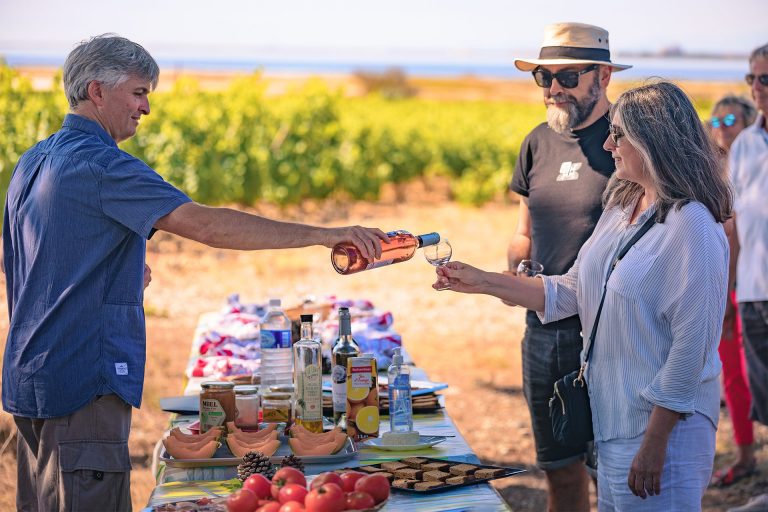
<point>78,215</point>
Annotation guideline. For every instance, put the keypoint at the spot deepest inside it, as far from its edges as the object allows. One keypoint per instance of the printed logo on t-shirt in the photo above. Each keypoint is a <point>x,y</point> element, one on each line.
<point>569,171</point>
<point>121,368</point>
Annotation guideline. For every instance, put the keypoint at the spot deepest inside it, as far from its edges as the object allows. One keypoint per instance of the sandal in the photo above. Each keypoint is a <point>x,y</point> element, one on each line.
<point>725,478</point>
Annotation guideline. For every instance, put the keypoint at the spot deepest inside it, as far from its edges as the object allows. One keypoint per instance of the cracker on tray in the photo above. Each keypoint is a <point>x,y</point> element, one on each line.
<point>436,466</point>
<point>462,469</point>
<point>393,466</point>
<point>415,462</point>
<point>436,476</point>
<point>410,473</point>
<point>488,472</point>
<point>425,486</point>
<point>404,483</point>
<point>462,479</point>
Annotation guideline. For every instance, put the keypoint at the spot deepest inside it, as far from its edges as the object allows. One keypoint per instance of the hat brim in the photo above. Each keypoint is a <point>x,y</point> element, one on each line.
<point>531,64</point>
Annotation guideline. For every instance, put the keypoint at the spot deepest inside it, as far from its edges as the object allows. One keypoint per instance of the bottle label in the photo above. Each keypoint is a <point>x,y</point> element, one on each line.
<point>339,378</point>
<point>361,376</point>
<point>211,414</point>
<point>275,338</point>
<point>309,406</point>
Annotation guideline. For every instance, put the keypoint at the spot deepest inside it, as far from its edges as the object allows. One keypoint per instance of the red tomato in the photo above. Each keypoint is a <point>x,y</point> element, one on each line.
<point>359,501</point>
<point>292,506</point>
<point>272,506</point>
<point>329,477</point>
<point>326,498</point>
<point>349,478</point>
<point>259,485</point>
<point>242,501</point>
<point>287,475</point>
<point>292,492</point>
<point>375,485</point>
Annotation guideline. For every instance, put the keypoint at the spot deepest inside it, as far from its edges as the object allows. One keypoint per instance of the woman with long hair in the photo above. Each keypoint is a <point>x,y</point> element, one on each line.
<point>653,373</point>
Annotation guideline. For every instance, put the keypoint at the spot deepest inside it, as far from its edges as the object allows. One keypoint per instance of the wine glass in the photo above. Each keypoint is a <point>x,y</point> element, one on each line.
<point>438,255</point>
<point>529,268</point>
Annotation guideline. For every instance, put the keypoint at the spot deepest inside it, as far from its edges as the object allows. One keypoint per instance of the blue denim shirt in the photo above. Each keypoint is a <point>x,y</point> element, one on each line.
<point>77,216</point>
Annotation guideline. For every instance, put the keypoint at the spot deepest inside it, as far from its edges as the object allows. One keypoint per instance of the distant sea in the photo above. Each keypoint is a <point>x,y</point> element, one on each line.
<point>643,67</point>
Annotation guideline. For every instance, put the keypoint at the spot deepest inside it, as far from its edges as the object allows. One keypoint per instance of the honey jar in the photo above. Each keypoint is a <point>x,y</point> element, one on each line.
<point>276,407</point>
<point>217,404</point>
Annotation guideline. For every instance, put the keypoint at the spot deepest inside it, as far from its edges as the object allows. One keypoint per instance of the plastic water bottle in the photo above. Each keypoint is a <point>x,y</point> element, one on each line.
<point>400,410</point>
<point>276,351</point>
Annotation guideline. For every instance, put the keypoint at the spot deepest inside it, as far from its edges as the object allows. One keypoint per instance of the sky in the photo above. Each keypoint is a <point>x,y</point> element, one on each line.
<point>396,30</point>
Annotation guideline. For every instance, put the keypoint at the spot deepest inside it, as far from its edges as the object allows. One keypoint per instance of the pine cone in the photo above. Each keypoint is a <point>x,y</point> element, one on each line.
<point>292,461</point>
<point>255,462</point>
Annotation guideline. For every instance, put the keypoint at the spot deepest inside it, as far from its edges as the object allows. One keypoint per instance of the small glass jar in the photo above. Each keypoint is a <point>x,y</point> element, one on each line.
<point>217,404</point>
<point>276,407</point>
<point>247,406</point>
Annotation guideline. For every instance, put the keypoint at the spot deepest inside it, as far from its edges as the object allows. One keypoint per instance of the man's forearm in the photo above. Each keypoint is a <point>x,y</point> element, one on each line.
<point>226,228</point>
<point>230,229</point>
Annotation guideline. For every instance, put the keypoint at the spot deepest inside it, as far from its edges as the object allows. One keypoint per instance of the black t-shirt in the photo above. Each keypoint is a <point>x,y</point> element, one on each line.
<point>563,176</point>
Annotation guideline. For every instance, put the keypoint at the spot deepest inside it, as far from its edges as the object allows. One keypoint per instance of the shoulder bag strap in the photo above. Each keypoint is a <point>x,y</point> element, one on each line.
<point>645,227</point>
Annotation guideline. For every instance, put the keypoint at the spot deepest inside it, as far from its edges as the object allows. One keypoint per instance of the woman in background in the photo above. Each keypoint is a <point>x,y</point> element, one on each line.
<point>653,375</point>
<point>730,115</point>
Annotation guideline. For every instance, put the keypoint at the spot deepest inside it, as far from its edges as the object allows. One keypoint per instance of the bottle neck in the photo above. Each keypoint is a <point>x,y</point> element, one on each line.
<point>306,331</point>
<point>428,239</point>
<point>345,327</point>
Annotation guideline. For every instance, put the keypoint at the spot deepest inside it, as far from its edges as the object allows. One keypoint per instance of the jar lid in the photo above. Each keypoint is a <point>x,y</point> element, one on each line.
<point>282,388</point>
<point>246,389</point>
<point>277,396</point>
<point>217,385</point>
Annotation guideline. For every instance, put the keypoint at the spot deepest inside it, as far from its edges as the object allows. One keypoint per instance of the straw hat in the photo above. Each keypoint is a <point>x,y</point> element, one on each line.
<point>572,43</point>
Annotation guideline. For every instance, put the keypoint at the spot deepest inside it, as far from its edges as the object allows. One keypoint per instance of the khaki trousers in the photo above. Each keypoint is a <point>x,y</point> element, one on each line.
<point>77,463</point>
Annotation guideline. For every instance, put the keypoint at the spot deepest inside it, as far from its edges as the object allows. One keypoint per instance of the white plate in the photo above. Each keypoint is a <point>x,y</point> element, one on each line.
<point>424,442</point>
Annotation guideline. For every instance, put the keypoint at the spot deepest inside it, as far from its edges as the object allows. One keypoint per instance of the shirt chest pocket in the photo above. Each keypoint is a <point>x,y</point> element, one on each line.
<point>633,276</point>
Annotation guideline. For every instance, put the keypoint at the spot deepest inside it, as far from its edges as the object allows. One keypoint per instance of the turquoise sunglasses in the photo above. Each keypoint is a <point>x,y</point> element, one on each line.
<point>717,122</point>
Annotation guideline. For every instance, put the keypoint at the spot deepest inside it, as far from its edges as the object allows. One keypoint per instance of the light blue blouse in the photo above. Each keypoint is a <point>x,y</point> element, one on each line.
<point>660,326</point>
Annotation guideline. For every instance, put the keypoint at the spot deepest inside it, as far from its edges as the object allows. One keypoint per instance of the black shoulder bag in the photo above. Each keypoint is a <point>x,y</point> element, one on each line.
<point>569,407</point>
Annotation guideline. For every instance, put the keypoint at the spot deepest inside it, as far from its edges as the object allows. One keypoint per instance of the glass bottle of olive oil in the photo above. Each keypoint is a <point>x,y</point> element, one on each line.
<point>307,368</point>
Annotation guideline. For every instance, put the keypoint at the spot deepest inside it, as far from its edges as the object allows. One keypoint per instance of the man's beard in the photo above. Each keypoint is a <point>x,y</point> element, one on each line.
<point>573,112</point>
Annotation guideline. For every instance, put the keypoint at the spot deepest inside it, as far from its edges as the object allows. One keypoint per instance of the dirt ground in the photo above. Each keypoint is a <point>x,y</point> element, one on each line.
<point>471,342</point>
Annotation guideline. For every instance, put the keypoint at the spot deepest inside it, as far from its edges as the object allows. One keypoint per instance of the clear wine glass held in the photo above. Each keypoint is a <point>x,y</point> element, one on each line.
<point>529,268</point>
<point>438,255</point>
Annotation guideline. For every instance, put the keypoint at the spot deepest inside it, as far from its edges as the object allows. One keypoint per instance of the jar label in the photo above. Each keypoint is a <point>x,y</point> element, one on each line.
<point>211,414</point>
<point>275,338</point>
<point>339,377</point>
<point>309,406</point>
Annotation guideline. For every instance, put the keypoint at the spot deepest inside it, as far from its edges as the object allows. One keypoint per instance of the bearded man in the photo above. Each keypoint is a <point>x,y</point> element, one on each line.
<point>561,172</point>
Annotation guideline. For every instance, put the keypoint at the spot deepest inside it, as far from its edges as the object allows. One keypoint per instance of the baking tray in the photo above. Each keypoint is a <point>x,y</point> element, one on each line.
<point>447,487</point>
<point>224,457</point>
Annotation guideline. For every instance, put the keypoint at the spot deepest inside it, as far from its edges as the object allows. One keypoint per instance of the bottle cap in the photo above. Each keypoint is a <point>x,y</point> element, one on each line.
<point>306,318</point>
<point>397,357</point>
<point>274,302</point>
<point>429,239</point>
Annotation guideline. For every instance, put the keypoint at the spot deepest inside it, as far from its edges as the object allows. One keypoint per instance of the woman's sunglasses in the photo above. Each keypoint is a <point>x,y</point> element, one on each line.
<point>567,79</point>
<point>615,133</point>
<point>727,120</point>
<point>750,78</point>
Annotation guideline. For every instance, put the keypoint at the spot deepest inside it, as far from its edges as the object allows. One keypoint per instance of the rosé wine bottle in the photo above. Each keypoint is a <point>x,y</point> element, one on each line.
<point>347,259</point>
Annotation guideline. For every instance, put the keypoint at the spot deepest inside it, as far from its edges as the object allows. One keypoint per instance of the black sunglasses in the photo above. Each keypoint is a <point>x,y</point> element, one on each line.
<point>763,79</point>
<point>615,133</point>
<point>567,79</point>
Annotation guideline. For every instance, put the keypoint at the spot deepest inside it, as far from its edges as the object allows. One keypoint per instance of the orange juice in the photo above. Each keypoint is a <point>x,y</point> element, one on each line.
<point>362,398</point>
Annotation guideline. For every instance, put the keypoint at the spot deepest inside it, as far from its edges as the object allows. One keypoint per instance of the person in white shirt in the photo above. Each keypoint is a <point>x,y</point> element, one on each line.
<point>653,373</point>
<point>748,164</point>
